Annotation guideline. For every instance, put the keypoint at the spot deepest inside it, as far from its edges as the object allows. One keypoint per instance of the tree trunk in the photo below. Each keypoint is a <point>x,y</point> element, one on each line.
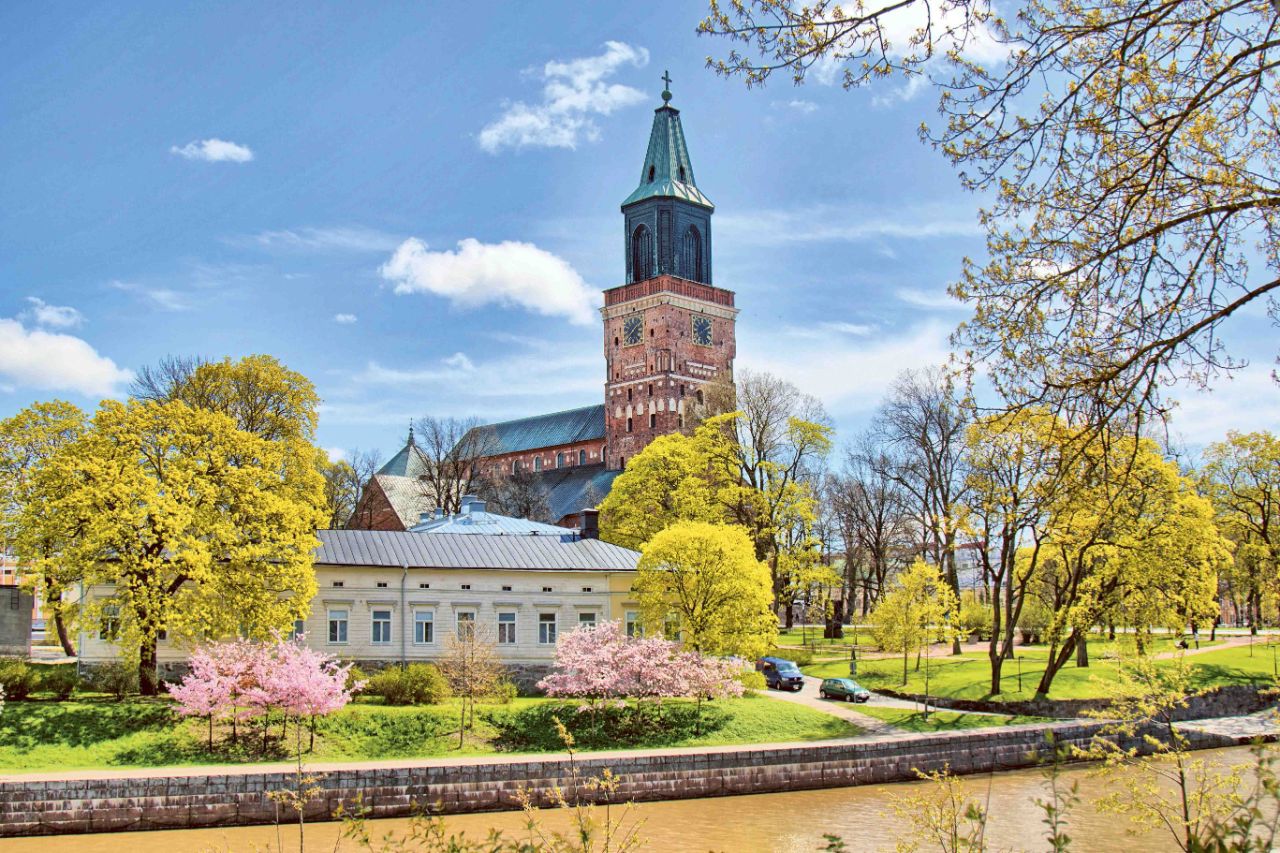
<point>1082,653</point>
<point>148,679</point>
<point>64,636</point>
<point>1111,632</point>
<point>1057,660</point>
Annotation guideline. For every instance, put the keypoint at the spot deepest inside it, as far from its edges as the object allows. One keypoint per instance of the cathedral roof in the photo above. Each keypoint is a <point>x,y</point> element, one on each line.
<point>410,462</point>
<point>571,490</point>
<point>557,428</point>
<point>668,171</point>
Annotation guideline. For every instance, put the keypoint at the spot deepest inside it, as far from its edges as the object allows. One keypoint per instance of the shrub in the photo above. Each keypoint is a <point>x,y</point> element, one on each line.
<point>357,678</point>
<point>60,680</point>
<point>416,684</point>
<point>117,678</point>
<point>504,692</point>
<point>799,656</point>
<point>752,680</point>
<point>17,677</point>
<point>975,617</point>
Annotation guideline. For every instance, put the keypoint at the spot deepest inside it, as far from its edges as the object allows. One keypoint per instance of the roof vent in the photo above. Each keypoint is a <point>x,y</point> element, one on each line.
<point>439,513</point>
<point>424,517</point>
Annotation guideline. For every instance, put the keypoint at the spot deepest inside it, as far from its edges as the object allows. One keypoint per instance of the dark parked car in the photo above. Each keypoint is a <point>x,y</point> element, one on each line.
<point>843,688</point>
<point>781,674</point>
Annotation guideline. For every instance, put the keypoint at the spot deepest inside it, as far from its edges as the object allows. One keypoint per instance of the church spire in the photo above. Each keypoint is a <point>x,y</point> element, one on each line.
<point>667,171</point>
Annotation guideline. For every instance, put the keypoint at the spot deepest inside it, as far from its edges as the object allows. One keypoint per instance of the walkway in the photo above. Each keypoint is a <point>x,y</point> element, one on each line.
<point>808,696</point>
<point>1263,724</point>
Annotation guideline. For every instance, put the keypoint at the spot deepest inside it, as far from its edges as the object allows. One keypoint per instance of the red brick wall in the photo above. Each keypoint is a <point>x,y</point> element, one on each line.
<point>501,464</point>
<point>652,383</point>
<point>374,512</point>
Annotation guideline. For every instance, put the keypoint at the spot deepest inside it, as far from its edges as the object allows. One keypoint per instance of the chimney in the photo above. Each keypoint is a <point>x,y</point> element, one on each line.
<point>424,517</point>
<point>589,524</point>
<point>464,504</point>
<point>439,513</point>
<point>477,505</point>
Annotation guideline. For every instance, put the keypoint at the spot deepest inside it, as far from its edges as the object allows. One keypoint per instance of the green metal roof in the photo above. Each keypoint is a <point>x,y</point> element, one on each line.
<point>409,462</point>
<point>668,171</point>
<point>567,427</point>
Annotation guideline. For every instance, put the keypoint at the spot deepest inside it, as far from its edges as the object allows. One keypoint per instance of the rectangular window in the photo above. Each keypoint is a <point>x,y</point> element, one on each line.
<point>546,628</point>
<point>466,586</point>
<point>337,626</point>
<point>628,424</point>
<point>424,586</point>
<point>299,628</point>
<point>382,584</point>
<point>537,463</point>
<point>110,627</point>
<point>653,421</point>
<point>546,589</point>
<point>559,460</point>
<point>424,627</point>
<point>506,629</point>
<point>586,620</point>
<point>339,583</point>
<point>586,589</point>
<point>632,622</point>
<point>506,589</point>
<point>466,625</point>
<point>381,626</point>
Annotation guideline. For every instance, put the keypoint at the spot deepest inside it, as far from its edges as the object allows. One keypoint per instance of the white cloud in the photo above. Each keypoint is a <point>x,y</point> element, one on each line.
<point>849,376</point>
<point>572,93</point>
<point>160,297</point>
<point>1245,400</point>
<point>460,361</point>
<point>344,319</point>
<point>34,358</point>
<point>335,239</point>
<point>827,223</point>
<point>507,273</point>
<point>335,454</point>
<point>55,316</point>
<point>214,151</point>
<point>798,105</point>
<point>930,300</point>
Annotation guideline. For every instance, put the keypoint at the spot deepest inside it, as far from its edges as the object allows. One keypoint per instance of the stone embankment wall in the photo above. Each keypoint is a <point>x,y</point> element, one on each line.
<point>1230,701</point>
<point>88,802</point>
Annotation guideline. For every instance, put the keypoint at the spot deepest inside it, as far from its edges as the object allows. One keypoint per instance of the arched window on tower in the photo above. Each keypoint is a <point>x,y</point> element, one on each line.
<point>691,254</point>
<point>641,254</point>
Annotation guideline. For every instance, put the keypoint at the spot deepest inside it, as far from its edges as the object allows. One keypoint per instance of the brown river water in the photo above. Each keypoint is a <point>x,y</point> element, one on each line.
<point>762,822</point>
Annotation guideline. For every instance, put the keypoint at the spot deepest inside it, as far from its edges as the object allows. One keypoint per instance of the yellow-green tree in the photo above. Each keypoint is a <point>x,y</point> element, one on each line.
<point>28,440</point>
<point>919,607</point>
<point>1242,477</point>
<point>673,479</point>
<point>706,577</point>
<point>1130,541</point>
<point>197,527</point>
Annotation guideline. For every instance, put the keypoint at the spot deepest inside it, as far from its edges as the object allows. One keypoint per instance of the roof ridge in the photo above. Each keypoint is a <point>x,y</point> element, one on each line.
<point>546,415</point>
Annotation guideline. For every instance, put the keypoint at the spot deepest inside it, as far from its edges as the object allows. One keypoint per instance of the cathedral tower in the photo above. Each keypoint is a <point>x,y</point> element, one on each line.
<point>667,331</point>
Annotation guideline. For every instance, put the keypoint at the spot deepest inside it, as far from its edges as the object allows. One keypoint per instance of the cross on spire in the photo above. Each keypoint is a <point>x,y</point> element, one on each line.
<point>666,91</point>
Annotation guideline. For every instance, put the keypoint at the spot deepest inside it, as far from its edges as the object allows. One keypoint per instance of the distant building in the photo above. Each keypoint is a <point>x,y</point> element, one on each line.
<point>387,597</point>
<point>668,332</point>
<point>16,607</point>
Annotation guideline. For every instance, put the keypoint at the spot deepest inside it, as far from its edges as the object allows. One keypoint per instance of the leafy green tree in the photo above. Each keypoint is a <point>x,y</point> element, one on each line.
<point>197,527</point>
<point>1242,477</point>
<point>1129,149</point>
<point>919,607</point>
<point>706,577</point>
<point>28,440</point>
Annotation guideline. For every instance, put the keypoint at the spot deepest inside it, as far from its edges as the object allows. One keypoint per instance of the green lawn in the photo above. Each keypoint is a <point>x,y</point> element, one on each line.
<point>910,720</point>
<point>101,733</point>
<point>968,676</point>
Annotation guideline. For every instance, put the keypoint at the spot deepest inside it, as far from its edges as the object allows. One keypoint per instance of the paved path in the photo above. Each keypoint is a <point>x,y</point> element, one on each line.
<point>1263,724</point>
<point>808,696</point>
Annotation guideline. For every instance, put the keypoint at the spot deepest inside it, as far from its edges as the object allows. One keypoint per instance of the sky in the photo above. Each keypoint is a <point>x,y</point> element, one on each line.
<point>416,206</point>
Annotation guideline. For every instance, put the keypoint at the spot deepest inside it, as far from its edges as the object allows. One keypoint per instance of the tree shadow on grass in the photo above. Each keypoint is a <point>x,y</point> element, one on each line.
<point>26,725</point>
<point>635,725</point>
<point>1206,676</point>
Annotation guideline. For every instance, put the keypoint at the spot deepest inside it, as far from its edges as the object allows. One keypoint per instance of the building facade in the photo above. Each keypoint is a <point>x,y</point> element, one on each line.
<point>393,597</point>
<point>668,333</point>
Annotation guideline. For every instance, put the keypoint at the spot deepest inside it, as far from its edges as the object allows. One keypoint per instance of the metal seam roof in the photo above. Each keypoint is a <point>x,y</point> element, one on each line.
<point>423,550</point>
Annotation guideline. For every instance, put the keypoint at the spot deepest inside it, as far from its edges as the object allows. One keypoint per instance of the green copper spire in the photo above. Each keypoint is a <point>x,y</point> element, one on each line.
<point>667,172</point>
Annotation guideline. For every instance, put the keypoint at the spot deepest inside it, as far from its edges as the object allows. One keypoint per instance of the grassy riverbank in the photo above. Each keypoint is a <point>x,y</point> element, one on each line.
<point>968,676</point>
<point>911,720</point>
<point>102,733</point>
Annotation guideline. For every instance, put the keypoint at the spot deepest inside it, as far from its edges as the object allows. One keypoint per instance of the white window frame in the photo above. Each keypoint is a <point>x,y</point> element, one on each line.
<point>547,629</point>
<point>468,618</point>
<point>343,622</point>
<point>423,618</point>
<point>588,619</point>
<point>375,622</point>
<point>631,623</point>
<point>507,622</point>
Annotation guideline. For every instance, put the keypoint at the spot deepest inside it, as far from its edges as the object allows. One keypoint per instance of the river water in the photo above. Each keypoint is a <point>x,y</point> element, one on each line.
<point>763,822</point>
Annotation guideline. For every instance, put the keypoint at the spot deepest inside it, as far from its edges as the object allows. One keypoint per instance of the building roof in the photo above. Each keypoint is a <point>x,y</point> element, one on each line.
<point>557,428</point>
<point>570,490</point>
<point>667,171</point>
<point>408,496</point>
<point>564,552</point>
<point>474,520</point>
<point>409,462</point>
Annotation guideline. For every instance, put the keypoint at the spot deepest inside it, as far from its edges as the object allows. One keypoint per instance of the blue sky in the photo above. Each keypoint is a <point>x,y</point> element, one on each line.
<point>416,205</point>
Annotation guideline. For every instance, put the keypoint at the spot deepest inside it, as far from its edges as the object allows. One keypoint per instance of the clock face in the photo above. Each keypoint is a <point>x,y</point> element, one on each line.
<point>632,330</point>
<point>702,331</point>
